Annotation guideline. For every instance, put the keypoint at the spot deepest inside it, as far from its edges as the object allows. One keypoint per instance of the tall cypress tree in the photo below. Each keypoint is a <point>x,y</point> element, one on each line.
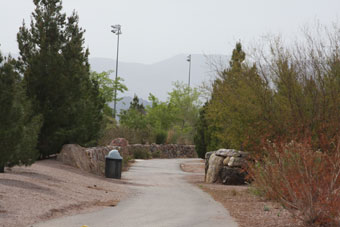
<point>56,71</point>
<point>18,126</point>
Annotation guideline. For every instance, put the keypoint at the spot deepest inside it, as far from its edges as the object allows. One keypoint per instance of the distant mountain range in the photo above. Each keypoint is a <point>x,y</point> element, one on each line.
<point>157,78</point>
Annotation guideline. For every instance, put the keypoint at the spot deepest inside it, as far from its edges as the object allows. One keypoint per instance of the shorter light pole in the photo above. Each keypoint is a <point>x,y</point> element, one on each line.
<point>189,60</point>
<point>116,29</point>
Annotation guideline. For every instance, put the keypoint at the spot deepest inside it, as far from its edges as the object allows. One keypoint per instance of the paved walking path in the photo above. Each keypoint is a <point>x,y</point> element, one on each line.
<point>163,199</point>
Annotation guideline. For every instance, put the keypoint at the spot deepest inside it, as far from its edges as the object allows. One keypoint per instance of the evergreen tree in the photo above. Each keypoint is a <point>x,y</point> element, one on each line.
<point>238,110</point>
<point>200,136</point>
<point>56,72</point>
<point>134,104</point>
<point>18,127</point>
<point>204,139</point>
<point>134,117</point>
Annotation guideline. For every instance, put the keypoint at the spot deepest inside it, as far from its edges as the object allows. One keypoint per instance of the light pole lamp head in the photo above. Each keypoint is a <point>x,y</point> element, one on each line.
<point>116,29</point>
<point>189,58</point>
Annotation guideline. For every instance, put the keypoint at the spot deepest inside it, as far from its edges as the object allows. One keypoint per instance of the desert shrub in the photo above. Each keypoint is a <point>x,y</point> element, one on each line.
<point>305,182</point>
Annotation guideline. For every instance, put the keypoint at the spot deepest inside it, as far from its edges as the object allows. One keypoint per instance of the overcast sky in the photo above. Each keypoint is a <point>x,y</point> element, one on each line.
<point>154,30</point>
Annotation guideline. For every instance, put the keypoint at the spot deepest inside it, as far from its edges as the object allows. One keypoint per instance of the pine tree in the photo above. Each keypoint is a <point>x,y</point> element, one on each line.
<point>18,127</point>
<point>135,116</point>
<point>237,111</point>
<point>134,104</point>
<point>56,72</point>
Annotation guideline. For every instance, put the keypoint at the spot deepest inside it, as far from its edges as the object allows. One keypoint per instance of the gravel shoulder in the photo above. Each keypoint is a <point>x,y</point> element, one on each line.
<point>246,208</point>
<point>49,189</point>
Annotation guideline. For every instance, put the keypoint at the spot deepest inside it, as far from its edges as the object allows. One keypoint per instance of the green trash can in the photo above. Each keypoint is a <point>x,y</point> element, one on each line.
<point>113,165</point>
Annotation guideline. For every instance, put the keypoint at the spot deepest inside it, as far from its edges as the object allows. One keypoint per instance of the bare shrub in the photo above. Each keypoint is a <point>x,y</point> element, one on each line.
<point>305,182</point>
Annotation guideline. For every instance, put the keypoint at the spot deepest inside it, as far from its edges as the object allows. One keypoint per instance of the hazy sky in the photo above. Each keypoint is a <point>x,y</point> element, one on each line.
<point>154,30</point>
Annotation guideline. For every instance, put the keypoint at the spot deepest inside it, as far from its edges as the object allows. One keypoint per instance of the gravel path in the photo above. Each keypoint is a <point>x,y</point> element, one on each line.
<point>161,198</point>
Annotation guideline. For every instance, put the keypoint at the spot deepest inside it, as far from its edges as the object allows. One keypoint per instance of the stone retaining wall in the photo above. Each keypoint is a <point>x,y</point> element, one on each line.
<point>93,159</point>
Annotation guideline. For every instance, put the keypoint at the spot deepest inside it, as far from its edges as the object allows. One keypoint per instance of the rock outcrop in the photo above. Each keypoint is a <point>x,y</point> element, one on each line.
<point>226,166</point>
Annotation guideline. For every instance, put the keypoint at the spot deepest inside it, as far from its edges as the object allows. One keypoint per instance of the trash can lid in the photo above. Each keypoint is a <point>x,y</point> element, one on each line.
<point>114,154</point>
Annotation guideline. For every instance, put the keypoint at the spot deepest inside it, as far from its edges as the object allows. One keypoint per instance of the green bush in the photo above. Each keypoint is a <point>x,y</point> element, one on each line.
<point>140,152</point>
<point>161,137</point>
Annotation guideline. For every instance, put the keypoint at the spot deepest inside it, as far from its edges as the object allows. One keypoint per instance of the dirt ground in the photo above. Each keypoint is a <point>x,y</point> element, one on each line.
<point>246,208</point>
<point>49,189</point>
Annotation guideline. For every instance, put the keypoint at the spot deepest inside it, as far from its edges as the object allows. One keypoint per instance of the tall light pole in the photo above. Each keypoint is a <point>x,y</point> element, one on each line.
<point>189,60</point>
<point>116,29</point>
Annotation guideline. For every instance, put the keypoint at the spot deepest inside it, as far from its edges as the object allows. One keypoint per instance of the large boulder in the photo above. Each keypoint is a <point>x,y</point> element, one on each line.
<point>228,153</point>
<point>233,176</point>
<point>207,156</point>
<point>226,166</point>
<point>215,166</point>
<point>235,161</point>
<point>74,155</point>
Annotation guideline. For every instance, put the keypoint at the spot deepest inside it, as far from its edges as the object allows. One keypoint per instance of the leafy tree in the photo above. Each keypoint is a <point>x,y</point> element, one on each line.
<point>185,104</point>
<point>56,73</point>
<point>18,126</point>
<point>107,88</point>
<point>171,121</point>
<point>160,115</point>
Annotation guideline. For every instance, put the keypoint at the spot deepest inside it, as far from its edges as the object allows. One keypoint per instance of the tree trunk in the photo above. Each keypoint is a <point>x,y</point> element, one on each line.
<point>2,168</point>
